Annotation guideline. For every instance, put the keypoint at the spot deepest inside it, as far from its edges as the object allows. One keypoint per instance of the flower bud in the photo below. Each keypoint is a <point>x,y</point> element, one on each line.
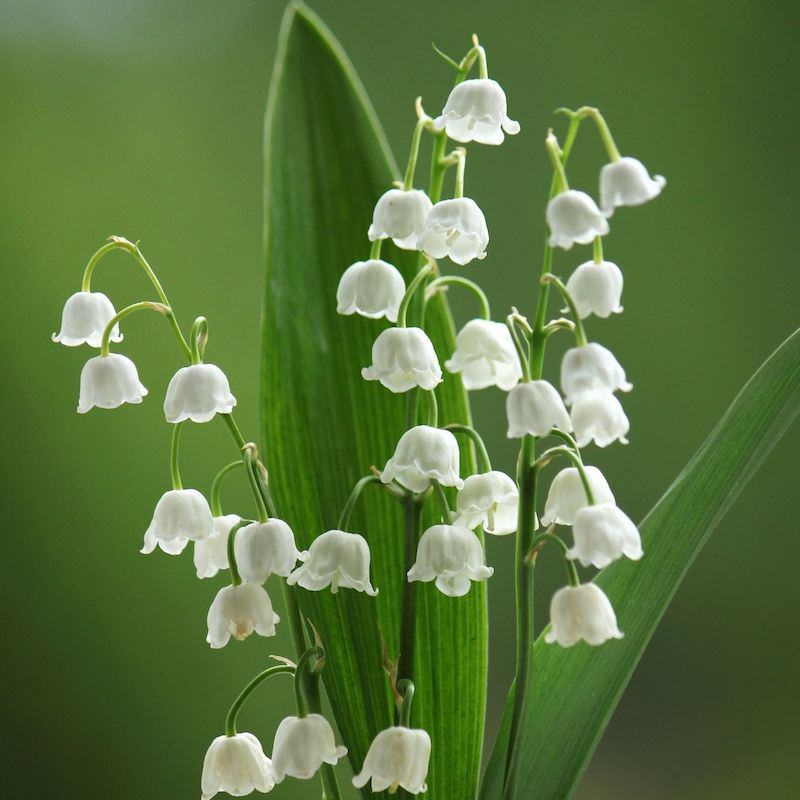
<point>84,319</point>
<point>236,765</point>
<point>108,382</point>
<point>263,549</point>
<point>452,556</point>
<point>336,559</point>
<point>581,612</point>
<point>198,393</point>
<point>238,611</point>
<point>490,499</point>
<point>598,416</point>
<point>457,229</point>
<point>403,358</point>
<point>591,367</point>
<point>603,533</point>
<point>476,111</point>
<point>485,356</point>
<point>400,216</point>
<point>567,495</point>
<point>596,289</point>
<point>302,745</point>
<point>397,758</point>
<point>372,289</point>
<point>211,553</point>
<point>180,515</point>
<point>422,455</point>
<point>574,218</point>
<point>627,183</point>
<point>535,408</point>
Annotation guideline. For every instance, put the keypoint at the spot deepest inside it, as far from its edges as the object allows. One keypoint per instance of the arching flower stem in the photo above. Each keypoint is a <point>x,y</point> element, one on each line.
<point>144,305</point>
<point>484,462</point>
<point>347,511</point>
<point>521,342</point>
<point>406,690</point>
<point>251,454</point>
<point>458,280</point>
<point>216,486</point>
<point>174,456</point>
<point>233,713</point>
<point>427,269</point>
<point>375,249</point>
<point>236,578</point>
<point>300,677</point>
<point>580,332</point>
<point>554,452</point>
<point>198,337</point>
<point>441,498</point>
<point>597,249</point>
<point>542,539</point>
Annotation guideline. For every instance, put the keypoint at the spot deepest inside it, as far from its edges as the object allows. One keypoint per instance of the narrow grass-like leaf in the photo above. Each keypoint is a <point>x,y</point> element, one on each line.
<point>324,427</point>
<point>572,692</point>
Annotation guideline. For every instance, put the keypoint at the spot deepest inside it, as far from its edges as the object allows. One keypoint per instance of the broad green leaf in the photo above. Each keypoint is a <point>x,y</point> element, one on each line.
<point>324,427</point>
<point>573,692</point>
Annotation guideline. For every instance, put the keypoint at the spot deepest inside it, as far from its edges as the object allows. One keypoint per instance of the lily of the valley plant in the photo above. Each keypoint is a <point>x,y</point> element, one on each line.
<point>556,499</point>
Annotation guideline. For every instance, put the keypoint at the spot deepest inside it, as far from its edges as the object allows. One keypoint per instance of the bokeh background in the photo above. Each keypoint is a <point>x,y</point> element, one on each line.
<point>143,118</point>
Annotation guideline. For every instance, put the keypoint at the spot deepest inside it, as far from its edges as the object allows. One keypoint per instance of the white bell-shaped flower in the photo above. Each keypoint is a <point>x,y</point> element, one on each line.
<point>581,613</point>
<point>238,611</point>
<point>574,218</point>
<point>567,495</point>
<point>108,382</point>
<point>485,356</point>
<point>627,183</point>
<point>400,216</point>
<point>180,515</point>
<point>198,392</point>
<point>302,745</point>
<point>591,367</point>
<point>237,766</point>
<point>535,408</point>
<point>603,533</point>
<point>476,111</point>
<point>422,455</point>
<point>84,319</point>
<point>452,555</point>
<point>263,549</point>
<point>596,289</point>
<point>336,559</point>
<point>211,553</point>
<point>372,289</point>
<point>599,417</point>
<point>490,499</point>
<point>455,228</point>
<point>397,758</point>
<point>403,358</point>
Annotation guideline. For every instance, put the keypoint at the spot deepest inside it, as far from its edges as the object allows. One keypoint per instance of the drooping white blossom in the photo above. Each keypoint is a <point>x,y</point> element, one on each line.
<point>603,533</point>
<point>211,552</point>
<point>302,745</point>
<point>574,218</point>
<point>180,515</point>
<point>403,358</point>
<point>108,382</point>
<point>599,417</point>
<point>198,393</point>
<point>237,766</point>
<point>455,228</point>
<point>372,288</point>
<point>591,367</point>
<point>627,182</point>
<point>400,216</point>
<point>238,611</point>
<point>535,408</point>
<point>84,318</point>
<point>596,289</point>
<point>490,499</point>
<point>485,356</point>
<point>422,455</point>
<point>397,758</point>
<point>263,549</point>
<point>567,495</point>
<point>476,111</point>
<point>337,559</point>
<point>452,555</point>
<point>581,613</point>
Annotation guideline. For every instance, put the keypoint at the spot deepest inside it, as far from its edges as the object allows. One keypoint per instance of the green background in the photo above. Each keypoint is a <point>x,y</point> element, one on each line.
<point>144,119</point>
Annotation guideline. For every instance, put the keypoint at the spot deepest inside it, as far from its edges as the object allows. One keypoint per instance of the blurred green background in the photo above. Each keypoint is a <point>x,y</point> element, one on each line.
<point>143,118</point>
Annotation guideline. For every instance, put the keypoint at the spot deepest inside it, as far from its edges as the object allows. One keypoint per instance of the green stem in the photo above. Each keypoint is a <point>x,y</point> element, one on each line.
<point>230,720</point>
<point>602,129</point>
<point>300,677</point>
<point>406,689</point>
<point>402,312</point>
<point>411,168</point>
<point>580,332</point>
<point>483,65</point>
<point>412,514</point>
<point>174,456</point>
<point>375,249</point>
<point>250,454</point>
<point>144,305</point>
<point>575,458</point>
<point>236,578</point>
<point>347,511</point>
<point>461,163</point>
<point>572,572</point>
<point>216,487</point>
<point>598,249</point>
<point>198,338</point>
<point>438,166</point>
<point>458,280</point>
<point>554,151</point>
<point>523,353</point>
<point>441,497</point>
<point>86,283</point>
<point>480,447</point>
<point>433,408</point>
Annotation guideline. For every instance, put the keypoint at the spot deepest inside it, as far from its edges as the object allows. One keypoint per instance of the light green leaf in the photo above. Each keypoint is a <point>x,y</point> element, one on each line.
<point>573,691</point>
<point>326,164</point>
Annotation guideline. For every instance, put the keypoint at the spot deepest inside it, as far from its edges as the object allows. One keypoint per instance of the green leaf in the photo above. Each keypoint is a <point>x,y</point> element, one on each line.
<point>327,162</point>
<point>573,691</point>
